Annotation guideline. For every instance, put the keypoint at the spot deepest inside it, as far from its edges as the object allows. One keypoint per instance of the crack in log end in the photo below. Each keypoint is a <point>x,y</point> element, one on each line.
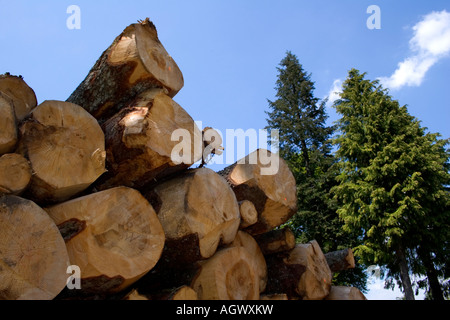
<point>71,228</point>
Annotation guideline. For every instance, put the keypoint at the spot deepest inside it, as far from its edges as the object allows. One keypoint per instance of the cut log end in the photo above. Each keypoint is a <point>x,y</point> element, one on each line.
<point>302,272</point>
<point>8,131</point>
<point>15,174</point>
<point>259,266</point>
<point>66,148</point>
<point>228,275</point>
<point>140,142</point>
<point>266,180</point>
<point>199,204</point>
<point>114,236</point>
<point>249,215</point>
<point>22,96</point>
<point>134,63</point>
<point>33,255</point>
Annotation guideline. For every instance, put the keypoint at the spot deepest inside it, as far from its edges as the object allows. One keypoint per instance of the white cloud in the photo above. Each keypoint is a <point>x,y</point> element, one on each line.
<point>335,92</point>
<point>430,43</point>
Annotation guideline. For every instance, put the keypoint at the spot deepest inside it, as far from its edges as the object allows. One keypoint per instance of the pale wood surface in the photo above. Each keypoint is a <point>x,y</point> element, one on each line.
<point>114,236</point>
<point>33,255</point>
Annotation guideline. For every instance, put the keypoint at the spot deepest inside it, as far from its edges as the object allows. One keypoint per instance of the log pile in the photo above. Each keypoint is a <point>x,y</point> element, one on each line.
<point>97,202</point>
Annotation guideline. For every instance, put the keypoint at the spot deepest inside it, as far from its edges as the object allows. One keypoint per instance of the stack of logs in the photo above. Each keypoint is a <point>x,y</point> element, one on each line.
<point>91,183</point>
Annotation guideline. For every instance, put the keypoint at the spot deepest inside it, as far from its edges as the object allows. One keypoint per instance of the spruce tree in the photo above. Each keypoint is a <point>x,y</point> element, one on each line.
<point>392,183</point>
<point>305,144</point>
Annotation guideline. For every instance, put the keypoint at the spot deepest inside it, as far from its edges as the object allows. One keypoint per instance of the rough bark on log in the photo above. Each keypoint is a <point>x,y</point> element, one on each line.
<point>228,275</point>
<point>276,241</point>
<point>114,236</point>
<point>22,96</point>
<point>198,211</point>
<point>135,62</point>
<point>8,127</point>
<point>66,148</point>
<point>302,272</point>
<point>15,174</point>
<point>247,242</point>
<point>264,179</point>
<point>345,293</point>
<point>139,143</point>
<point>33,256</point>
<point>249,215</point>
<point>340,260</point>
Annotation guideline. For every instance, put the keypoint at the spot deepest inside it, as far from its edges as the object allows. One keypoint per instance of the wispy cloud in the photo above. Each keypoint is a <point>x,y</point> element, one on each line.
<point>335,92</point>
<point>430,43</point>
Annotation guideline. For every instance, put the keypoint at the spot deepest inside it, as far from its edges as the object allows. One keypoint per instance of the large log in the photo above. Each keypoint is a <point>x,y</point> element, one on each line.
<point>345,293</point>
<point>258,261</point>
<point>22,96</point>
<point>198,211</point>
<point>66,148</point>
<point>266,180</point>
<point>8,127</point>
<point>135,62</point>
<point>114,236</point>
<point>276,241</point>
<point>33,256</point>
<point>301,272</point>
<point>139,143</point>
<point>15,174</point>
<point>228,275</point>
<point>340,260</point>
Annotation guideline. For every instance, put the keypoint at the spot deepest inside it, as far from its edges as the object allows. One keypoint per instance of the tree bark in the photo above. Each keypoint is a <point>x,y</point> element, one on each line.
<point>114,236</point>
<point>139,143</point>
<point>66,148</point>
<point>433,281</point>
<point>340,260</point>
<point>135,62</point>
<point>15,174</point>
<point>276,241</point>
<point>22,96</point>
<point>264,179</point>
<point>8,127</point>
<point>404,273</point>
<point>33,256</point>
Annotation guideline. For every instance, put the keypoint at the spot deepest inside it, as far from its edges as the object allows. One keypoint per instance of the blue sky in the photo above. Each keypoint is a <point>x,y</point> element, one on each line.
<point>228,50</point>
